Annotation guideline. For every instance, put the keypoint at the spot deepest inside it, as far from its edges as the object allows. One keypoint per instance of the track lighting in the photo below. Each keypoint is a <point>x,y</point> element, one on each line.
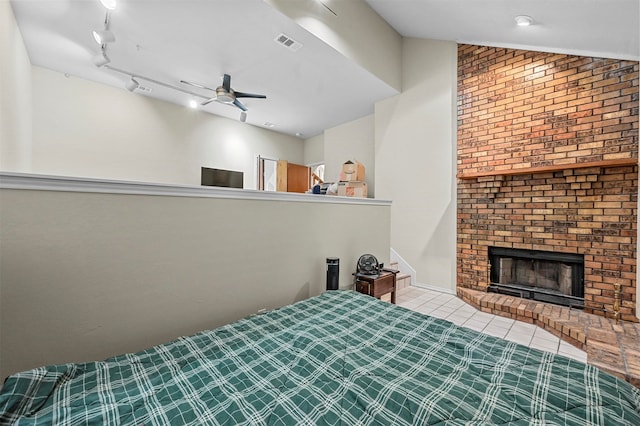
<point>109,4</point>
<point>101,59</point>
<point>104,36</point>
<point>141,88</point>
<point>132,85</point>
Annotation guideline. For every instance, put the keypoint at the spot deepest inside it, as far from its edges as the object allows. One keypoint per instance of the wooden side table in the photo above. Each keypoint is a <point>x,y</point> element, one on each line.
<point>377,285</point>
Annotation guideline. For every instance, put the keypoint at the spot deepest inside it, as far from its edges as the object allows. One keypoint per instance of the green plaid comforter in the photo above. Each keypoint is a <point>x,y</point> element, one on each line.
<point>337,359</point>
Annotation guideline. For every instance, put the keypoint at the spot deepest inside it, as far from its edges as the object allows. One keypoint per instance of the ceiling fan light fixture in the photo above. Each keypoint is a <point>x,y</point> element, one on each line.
<point>223,96</point>
<point>103,37</point>
<point>101,59</point>
<point>523,20</point>
<point>109,4</point>
<point>132,85</point>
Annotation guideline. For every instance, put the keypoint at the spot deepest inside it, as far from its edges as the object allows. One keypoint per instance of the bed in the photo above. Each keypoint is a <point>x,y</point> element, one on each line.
<point>340,358</point>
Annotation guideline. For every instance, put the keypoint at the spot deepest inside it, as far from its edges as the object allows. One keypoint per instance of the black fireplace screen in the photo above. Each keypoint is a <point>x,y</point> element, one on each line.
<point>540,275</point>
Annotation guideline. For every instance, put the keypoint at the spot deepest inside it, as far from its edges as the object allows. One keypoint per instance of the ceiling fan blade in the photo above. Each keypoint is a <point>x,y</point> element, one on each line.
<point>239,105</point>
<point>226,83</point>
<point>248,95</point>
<point>196,85</point>
<point>208,101</point>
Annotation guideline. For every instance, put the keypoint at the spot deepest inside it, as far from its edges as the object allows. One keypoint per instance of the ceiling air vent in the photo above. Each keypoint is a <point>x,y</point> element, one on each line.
<point>288,42</point>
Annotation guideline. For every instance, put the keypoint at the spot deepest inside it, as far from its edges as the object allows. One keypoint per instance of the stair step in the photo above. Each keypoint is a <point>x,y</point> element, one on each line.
<point>403,281</point>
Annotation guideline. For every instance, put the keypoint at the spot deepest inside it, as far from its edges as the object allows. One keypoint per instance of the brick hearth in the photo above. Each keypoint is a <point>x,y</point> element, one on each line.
<point>547,160</point>
<point>612,347</point>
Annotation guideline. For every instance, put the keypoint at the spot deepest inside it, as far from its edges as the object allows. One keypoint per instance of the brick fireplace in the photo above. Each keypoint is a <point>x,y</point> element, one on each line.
<point>547,160</point>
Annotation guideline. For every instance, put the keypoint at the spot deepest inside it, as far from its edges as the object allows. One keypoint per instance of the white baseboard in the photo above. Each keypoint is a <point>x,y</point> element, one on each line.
<point>435,288</point>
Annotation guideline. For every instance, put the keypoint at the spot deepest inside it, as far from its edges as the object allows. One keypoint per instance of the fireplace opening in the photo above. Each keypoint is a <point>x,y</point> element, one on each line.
<point>539,275</point>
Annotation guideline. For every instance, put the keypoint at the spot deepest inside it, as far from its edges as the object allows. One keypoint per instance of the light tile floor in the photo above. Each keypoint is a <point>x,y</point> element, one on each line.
<point>451,308</point>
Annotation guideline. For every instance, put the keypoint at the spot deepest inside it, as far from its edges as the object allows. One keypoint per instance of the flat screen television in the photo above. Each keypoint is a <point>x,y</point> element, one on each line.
<point>220,177</point>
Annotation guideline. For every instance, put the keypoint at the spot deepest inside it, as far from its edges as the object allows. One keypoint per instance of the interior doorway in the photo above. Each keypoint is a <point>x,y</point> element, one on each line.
<point>267,174</point>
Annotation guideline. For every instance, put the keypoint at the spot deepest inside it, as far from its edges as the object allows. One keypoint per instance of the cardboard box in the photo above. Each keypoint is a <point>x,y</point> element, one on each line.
<point>352,172</point>
<point>352,189</point>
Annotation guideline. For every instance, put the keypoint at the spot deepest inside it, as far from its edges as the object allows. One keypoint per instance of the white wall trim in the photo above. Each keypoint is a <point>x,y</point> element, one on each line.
<point>28,181</point>
<point>435,288</point>
<point>403,265</point>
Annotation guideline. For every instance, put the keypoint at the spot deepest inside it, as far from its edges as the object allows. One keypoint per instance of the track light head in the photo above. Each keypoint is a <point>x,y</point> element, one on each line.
<point>103,36</point>
<point>132,85</point>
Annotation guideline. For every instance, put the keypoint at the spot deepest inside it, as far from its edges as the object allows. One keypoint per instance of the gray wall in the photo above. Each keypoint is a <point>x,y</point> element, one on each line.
<point>409,149</point>
<point>351,141</point>
<point>87,275</point>
<point>141,139</point>
<point>415,161</point>
<point>15,95</point>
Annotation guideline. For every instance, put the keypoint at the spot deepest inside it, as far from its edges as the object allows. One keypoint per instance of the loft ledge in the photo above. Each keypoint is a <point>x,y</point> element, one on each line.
<point>29,181</point>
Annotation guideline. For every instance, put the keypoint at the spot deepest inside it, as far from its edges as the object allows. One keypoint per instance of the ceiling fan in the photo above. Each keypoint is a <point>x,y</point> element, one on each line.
<point>225,94</point>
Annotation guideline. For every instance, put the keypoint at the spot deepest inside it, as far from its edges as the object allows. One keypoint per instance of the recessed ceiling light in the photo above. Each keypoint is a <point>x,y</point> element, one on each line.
<point>109,4</point>
<point>523,20</point>
<point>299,134</point>
<point>193,104</point>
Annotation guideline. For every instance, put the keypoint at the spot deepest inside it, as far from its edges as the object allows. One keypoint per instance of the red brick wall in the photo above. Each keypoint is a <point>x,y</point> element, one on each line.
<point>519,110</point>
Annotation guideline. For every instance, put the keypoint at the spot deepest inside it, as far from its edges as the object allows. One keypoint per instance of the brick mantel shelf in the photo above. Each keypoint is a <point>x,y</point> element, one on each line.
<point>619,162</point>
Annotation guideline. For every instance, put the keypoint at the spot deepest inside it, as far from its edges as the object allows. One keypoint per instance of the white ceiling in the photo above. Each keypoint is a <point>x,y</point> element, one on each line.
<point>314,88</point>
<point>601,28</point>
